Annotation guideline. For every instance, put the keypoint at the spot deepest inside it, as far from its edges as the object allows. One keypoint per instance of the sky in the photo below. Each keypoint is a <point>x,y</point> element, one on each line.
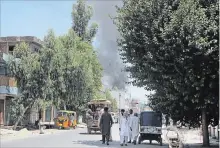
<point>35,18</point>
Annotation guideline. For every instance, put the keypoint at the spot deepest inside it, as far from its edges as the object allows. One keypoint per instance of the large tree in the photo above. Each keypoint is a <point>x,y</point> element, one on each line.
<point>81,15</point>
<point>172,47</point>
<point>25,67</point>
<point>74,70</point>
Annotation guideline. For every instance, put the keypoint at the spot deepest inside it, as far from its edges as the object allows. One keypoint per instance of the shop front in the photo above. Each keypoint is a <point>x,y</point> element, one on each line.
<point>8,90</point>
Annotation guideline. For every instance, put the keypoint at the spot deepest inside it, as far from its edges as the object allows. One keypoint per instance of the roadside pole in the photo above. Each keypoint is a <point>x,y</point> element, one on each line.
<point>41,127</point>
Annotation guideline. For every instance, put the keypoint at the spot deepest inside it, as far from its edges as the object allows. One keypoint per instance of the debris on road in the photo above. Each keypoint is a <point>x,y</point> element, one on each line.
<point>9,134</point>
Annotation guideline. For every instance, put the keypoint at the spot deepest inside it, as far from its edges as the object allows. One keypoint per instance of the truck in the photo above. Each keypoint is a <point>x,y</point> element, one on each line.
<point>97,106</point>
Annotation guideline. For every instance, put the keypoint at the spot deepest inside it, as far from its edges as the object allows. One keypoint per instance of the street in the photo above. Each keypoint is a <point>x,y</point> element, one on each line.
<point>77,138</point>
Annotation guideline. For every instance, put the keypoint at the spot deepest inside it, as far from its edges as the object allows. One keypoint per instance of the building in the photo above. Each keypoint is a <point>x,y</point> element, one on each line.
<point>8,86</point>
<point>134,105</point>
<point>7,44</point>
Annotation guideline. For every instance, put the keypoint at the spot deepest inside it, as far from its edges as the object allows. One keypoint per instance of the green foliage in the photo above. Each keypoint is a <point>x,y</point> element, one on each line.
<point>65,72</point>
<point>26,70</point>
<point>81,15</point>
<point>172,47</point>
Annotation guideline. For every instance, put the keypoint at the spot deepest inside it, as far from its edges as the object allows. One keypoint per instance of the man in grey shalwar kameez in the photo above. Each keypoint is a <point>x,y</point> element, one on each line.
<point>105,124</point>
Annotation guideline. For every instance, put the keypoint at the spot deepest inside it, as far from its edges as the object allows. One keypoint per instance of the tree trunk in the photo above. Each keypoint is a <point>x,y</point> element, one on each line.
<point>39,114</point>
<point>64,106</point>
<point>205,132</point>
<point>19,118</point>
<point>174,122</point>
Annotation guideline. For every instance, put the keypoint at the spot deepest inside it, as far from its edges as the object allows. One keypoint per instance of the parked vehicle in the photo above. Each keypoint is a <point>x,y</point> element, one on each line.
<point>150,126</point>
<point>63,121</point>
<point>93,124</point>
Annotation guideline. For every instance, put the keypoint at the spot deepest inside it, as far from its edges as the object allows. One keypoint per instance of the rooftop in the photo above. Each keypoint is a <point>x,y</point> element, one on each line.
<point>20,39</point>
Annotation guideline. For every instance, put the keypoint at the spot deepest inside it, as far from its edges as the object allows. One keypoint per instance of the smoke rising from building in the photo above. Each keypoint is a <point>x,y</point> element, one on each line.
<point>108,54</point>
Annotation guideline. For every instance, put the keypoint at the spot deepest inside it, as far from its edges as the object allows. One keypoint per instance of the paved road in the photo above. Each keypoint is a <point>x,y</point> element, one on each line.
<point>73,138</point>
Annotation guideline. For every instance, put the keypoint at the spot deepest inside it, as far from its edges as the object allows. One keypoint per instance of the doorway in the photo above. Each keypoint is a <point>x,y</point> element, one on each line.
<point>1,112</point>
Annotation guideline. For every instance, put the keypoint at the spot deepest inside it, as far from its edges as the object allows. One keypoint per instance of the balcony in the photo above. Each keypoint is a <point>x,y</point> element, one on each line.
<point>8,86</point>
<point>8,81</point>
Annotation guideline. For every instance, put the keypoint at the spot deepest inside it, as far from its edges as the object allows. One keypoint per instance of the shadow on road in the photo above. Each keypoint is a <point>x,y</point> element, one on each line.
<point>199,145</point>
<point>113,144</point>
<point>90,134</point>
<point>116,144</point>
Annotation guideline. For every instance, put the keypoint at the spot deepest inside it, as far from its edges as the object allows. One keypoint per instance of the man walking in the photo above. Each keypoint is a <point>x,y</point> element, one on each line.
<point>129,122</point>
<point>110,136</point>
<point>124,128</point>
<point>105,124</point>
<point>134,124</point>
<point>72,118</point>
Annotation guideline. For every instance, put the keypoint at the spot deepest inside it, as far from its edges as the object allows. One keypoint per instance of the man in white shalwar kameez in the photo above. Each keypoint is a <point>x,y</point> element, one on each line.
<point>129,122</point>
<point>134,124</point>
<point>124,128</point>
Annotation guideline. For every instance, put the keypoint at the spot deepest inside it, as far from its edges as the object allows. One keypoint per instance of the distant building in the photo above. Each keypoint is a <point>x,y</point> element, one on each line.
<point>7,44</point>
<point>134,105</point>
<point>8,86</point>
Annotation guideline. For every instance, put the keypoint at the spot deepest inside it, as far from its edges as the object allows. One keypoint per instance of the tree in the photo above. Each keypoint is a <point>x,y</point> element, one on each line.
<point>172,47</point>
<point>51,72</point>
<point>81,15</point>
<point>26,70</point>
<point>65,72</point>
<point>82,71</point>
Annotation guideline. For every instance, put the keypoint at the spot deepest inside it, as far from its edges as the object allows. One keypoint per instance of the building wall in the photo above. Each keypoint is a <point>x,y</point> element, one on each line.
<point>5,42</point>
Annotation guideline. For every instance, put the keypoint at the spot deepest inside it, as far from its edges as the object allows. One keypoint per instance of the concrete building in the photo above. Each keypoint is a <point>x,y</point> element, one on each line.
<point>7,44</point>
<point>8,86</point>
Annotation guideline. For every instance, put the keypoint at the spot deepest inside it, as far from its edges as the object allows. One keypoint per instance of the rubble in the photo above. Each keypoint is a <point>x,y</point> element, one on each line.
<point>7,132</point>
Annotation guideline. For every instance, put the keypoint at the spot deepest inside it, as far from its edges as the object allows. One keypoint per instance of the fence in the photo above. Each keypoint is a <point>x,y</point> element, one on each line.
<point>214,132</point>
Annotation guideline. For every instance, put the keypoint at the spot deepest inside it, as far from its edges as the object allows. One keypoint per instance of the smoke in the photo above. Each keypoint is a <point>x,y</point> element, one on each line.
<point>108,54</point>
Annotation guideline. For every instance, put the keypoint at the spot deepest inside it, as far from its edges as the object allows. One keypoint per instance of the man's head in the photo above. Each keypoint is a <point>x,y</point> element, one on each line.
<point>105,109</point>
<point>131,111</point>
<point>122,111</point>
<point>135,114</point>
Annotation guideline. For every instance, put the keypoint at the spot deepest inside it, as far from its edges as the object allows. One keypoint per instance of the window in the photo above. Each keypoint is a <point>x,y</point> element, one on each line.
<point>11,49</point>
